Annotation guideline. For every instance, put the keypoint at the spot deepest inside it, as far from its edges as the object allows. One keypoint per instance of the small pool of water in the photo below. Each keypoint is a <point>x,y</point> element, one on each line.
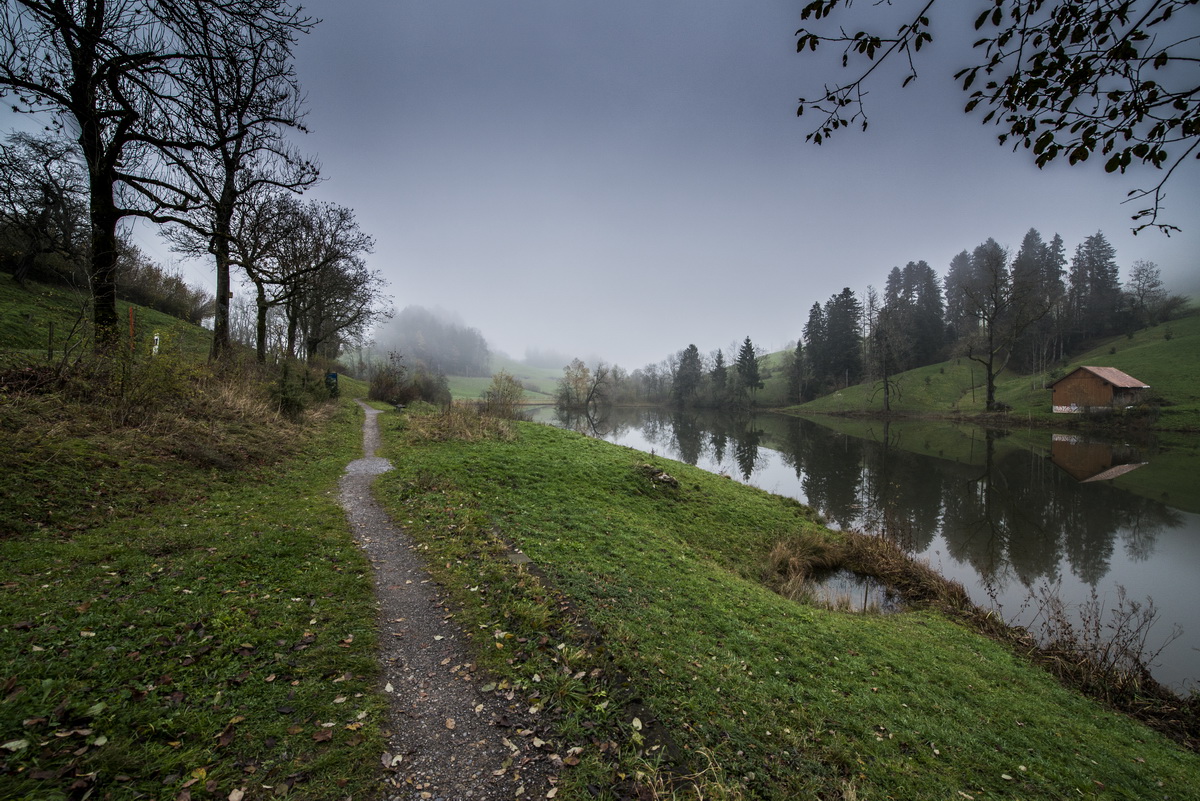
<point>848,591</point>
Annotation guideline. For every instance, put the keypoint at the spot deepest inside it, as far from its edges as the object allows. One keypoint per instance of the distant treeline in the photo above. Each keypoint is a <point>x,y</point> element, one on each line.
<point>424,337</point>
<point>1029,311</point>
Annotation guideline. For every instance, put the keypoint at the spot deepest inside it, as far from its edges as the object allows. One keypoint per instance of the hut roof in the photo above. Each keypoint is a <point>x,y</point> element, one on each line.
<point>1113,472</point>
<point>1112,375</point>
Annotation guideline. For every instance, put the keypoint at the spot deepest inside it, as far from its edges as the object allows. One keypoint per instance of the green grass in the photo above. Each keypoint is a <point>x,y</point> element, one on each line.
<point>201,629</point>
<point>540,383</point>
<point>474,388</point>
<point>28,314</point>
<point>947,388</point>
<point>956,387</point>
<point>653,607</point>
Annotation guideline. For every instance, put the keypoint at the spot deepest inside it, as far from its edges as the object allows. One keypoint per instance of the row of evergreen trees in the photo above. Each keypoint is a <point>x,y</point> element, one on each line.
<point>1028,311</point>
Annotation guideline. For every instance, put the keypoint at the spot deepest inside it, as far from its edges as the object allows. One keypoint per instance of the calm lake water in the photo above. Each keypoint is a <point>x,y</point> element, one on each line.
<point>1010,515</point>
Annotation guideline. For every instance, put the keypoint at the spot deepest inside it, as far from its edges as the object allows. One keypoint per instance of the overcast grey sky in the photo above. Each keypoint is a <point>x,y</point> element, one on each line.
<point>620,179</point>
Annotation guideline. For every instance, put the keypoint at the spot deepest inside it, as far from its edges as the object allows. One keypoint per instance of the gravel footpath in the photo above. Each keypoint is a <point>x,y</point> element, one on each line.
<point>447,739</point>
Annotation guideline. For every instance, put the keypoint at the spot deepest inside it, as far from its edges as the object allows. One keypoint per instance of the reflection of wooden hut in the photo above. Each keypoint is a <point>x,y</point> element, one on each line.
<point>1092,461</point>
<point>1094,389</point>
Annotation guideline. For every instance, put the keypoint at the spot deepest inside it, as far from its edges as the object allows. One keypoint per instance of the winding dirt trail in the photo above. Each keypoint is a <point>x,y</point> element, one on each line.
<point>447,739</point>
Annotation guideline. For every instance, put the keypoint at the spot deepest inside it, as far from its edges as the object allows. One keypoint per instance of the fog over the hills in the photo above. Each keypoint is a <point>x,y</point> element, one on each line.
<point>436,338</point>
<point>623,178</point>
<point>620,179</point>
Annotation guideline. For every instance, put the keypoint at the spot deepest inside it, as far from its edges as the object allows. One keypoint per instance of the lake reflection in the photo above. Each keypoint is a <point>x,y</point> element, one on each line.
<point>1005,514</point>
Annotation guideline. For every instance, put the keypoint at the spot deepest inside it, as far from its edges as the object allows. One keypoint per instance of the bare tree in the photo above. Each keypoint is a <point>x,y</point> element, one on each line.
<point>101,69</point>
<point>41,200</point>
<point>342,301</point>
<point>583,388</point>
<point>318,275</point>
<point>1002,308</point>
<point>245,97</point>
<point>1145,290</point>
<point>109,74</point>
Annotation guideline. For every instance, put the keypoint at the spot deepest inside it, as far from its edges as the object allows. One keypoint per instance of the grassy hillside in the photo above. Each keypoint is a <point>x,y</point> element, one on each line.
<point>772,368</point>
<point>540,382</point>
<point>648,631</point>
<point>1166,357</point>
<point>27,316</point>
<point>184,609</point>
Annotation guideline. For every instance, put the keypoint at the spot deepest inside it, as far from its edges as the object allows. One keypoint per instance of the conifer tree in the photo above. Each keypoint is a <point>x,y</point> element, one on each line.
<point>1095,288</point>
<point>747,368</point>
<point>687,376</point>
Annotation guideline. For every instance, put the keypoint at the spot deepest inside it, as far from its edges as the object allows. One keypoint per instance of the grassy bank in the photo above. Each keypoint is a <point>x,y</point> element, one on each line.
<point>41,319</point>
<point>1160,356</point>
<point>645,630</point>
<point>185,614</point>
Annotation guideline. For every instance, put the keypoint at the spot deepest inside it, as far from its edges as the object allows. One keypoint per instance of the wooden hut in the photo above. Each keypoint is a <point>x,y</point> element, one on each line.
<point>1096,389</point>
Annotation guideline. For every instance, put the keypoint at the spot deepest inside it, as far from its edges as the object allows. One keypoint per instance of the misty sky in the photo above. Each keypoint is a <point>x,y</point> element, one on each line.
<point>620,179</point>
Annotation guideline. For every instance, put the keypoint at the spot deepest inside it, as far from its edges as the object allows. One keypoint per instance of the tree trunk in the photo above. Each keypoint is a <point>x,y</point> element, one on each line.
<point>220,340</point>
<point>220,248</point>
<point>103,273</point>
<point>292,323</point>
<point>260,328</point>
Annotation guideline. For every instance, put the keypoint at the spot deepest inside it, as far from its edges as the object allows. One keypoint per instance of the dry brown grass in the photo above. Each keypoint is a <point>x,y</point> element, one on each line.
<point>104,437</point>
<point>916,582</point>
<point>463,421</point>
<point>792,563</point>
<point>653,783</point>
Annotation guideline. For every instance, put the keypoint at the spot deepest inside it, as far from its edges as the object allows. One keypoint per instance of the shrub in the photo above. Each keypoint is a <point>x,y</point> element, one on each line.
<point>503,395</point>
<point>386,381</point>
<point>107,435</point>
<point>297,388</point>
<point>455,421</point>
<point>393,382</point>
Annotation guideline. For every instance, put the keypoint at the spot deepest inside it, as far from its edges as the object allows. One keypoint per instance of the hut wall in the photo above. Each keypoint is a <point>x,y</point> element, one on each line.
<point>1082,391</point>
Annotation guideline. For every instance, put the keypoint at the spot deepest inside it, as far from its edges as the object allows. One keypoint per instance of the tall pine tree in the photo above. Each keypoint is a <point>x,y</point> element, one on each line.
<point>687,376</point>
<point>843,333</point>
<point>1095,288</point>
<point>816,349</point>
<point>747,368</point>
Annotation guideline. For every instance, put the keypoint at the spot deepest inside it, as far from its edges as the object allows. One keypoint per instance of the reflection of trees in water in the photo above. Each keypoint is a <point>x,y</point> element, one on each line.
<point>1008,512</point>
<point>1016,516</point>
<point>904,511</point>
<point>1140,530</point>
<point>745,450</point>
<point>984,517</point>
<point>832,476</point>
<point>717,440</point>
<point>594,422</point>
<point>689,436</point>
